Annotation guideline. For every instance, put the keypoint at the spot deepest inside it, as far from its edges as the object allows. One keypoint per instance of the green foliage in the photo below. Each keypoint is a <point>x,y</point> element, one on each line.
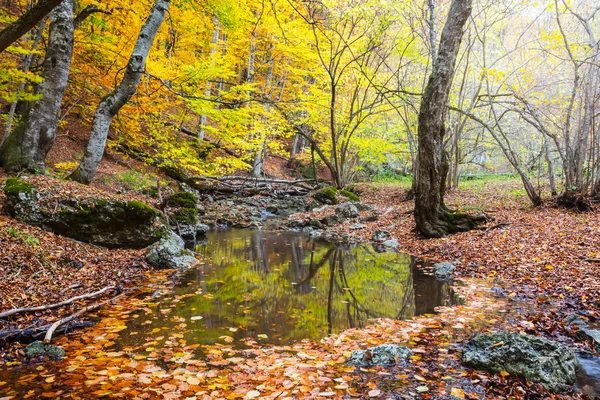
<point>387,175</point>
<point>349,195</point>
<point>327,195</point>
<point>25,237</point>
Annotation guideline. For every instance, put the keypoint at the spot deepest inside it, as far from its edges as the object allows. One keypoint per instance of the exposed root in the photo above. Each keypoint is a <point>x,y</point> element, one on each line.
<point>574,201</point>
<point>449,222</point>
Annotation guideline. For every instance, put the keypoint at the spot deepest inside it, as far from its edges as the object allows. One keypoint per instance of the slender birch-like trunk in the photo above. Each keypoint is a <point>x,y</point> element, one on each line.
<point>111,104</point>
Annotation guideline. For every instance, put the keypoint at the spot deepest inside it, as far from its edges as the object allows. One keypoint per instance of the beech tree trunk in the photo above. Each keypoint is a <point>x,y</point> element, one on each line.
<point>432,217</point>
<point>31,18</point>
<point>27,146</point>
<point>111,104</point>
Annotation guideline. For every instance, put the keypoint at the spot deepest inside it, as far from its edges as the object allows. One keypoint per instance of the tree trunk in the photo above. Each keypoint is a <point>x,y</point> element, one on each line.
<point>27,63</point>
<point>28,145</point>
<point>207,92</point>
<point>553,189</point>
<point>432,217</point>
<point>110,105</point>
<point>31,18</point>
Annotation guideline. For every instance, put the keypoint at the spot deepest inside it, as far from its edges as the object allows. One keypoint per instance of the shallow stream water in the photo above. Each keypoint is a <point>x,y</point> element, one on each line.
<point>279,288</point>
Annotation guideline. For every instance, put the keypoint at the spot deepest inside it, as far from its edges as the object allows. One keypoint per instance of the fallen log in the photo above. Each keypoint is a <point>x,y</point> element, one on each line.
<point>56,305</point>
<point>31,334</point>
<point>254,181</point>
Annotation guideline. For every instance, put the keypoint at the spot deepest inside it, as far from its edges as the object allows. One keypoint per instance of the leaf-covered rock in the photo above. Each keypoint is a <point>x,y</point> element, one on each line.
<point>534,358</point>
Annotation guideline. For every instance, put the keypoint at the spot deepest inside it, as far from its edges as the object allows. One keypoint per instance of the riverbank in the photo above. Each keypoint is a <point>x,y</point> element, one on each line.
<point>531,256</point>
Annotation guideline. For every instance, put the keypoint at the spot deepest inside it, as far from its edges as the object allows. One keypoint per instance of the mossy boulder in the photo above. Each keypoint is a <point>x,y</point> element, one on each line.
<point>535,358</point>
<point>349,195</point>
<point>38,348</point>
<point>183,214</point>
<point>327,195</point>
<point>183,200</point>
<point>104,222</point>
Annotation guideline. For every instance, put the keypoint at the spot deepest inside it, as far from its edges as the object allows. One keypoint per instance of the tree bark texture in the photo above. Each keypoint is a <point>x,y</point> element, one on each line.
<point>432,217</point>
<point>111,104</point>
<point>28,145</point>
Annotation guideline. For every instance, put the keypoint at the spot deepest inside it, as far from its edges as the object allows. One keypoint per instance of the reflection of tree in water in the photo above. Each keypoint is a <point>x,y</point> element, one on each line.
<point>291,288</point>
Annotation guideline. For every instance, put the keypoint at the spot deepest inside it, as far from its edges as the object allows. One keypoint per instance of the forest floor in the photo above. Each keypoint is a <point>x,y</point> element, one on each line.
<point>544,257</point>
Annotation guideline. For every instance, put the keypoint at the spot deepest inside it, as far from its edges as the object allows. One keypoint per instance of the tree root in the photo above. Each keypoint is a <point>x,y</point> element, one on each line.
<point>449,222</point>
<point>574,201</point>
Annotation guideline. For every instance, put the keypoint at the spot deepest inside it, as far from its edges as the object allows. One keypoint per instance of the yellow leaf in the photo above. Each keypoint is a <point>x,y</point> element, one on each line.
<point>458,393</point>
<point>504,373</point>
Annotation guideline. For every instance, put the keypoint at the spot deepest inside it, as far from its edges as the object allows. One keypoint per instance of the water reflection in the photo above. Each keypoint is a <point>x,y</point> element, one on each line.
<point>282,288</point>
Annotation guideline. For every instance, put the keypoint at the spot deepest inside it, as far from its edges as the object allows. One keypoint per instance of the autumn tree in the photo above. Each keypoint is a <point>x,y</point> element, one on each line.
<point>433,218</point>
<point>27,146</point>
<point>26,22</point>
<point>111,104</point>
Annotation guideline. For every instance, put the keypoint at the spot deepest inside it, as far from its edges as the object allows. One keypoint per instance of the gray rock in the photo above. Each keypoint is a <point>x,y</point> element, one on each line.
<point>330,220</point>
<point>170,253</point>
<point>322,208</point>
<point>38,348</point>
<point>363,207</point>
<point>592,335</point>
<point>443,270</point>
<point>534,358</point>
<point>346,210</point>
<point>380,236</point>
<point>356,227</point>
<point>202,229</point>
<point>370,218</point>
<point>392,243</point>
<point>385,354</point>
<point>308,229</point>
<point>316,224</point>
<point>291,205</point>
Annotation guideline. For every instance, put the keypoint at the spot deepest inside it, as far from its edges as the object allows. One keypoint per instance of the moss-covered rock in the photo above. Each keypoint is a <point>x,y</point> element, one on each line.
<point>348,194</point>
<point>105,222</point>
<point>183,200</point>
<point>183,216</point>
<point>532,357</point>
<point>327,195</point>
<point>38,348</point>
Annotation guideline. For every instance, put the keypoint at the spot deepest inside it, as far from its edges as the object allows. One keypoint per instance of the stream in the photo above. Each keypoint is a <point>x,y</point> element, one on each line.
<point>252,288</point>
<point>280,288</point>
